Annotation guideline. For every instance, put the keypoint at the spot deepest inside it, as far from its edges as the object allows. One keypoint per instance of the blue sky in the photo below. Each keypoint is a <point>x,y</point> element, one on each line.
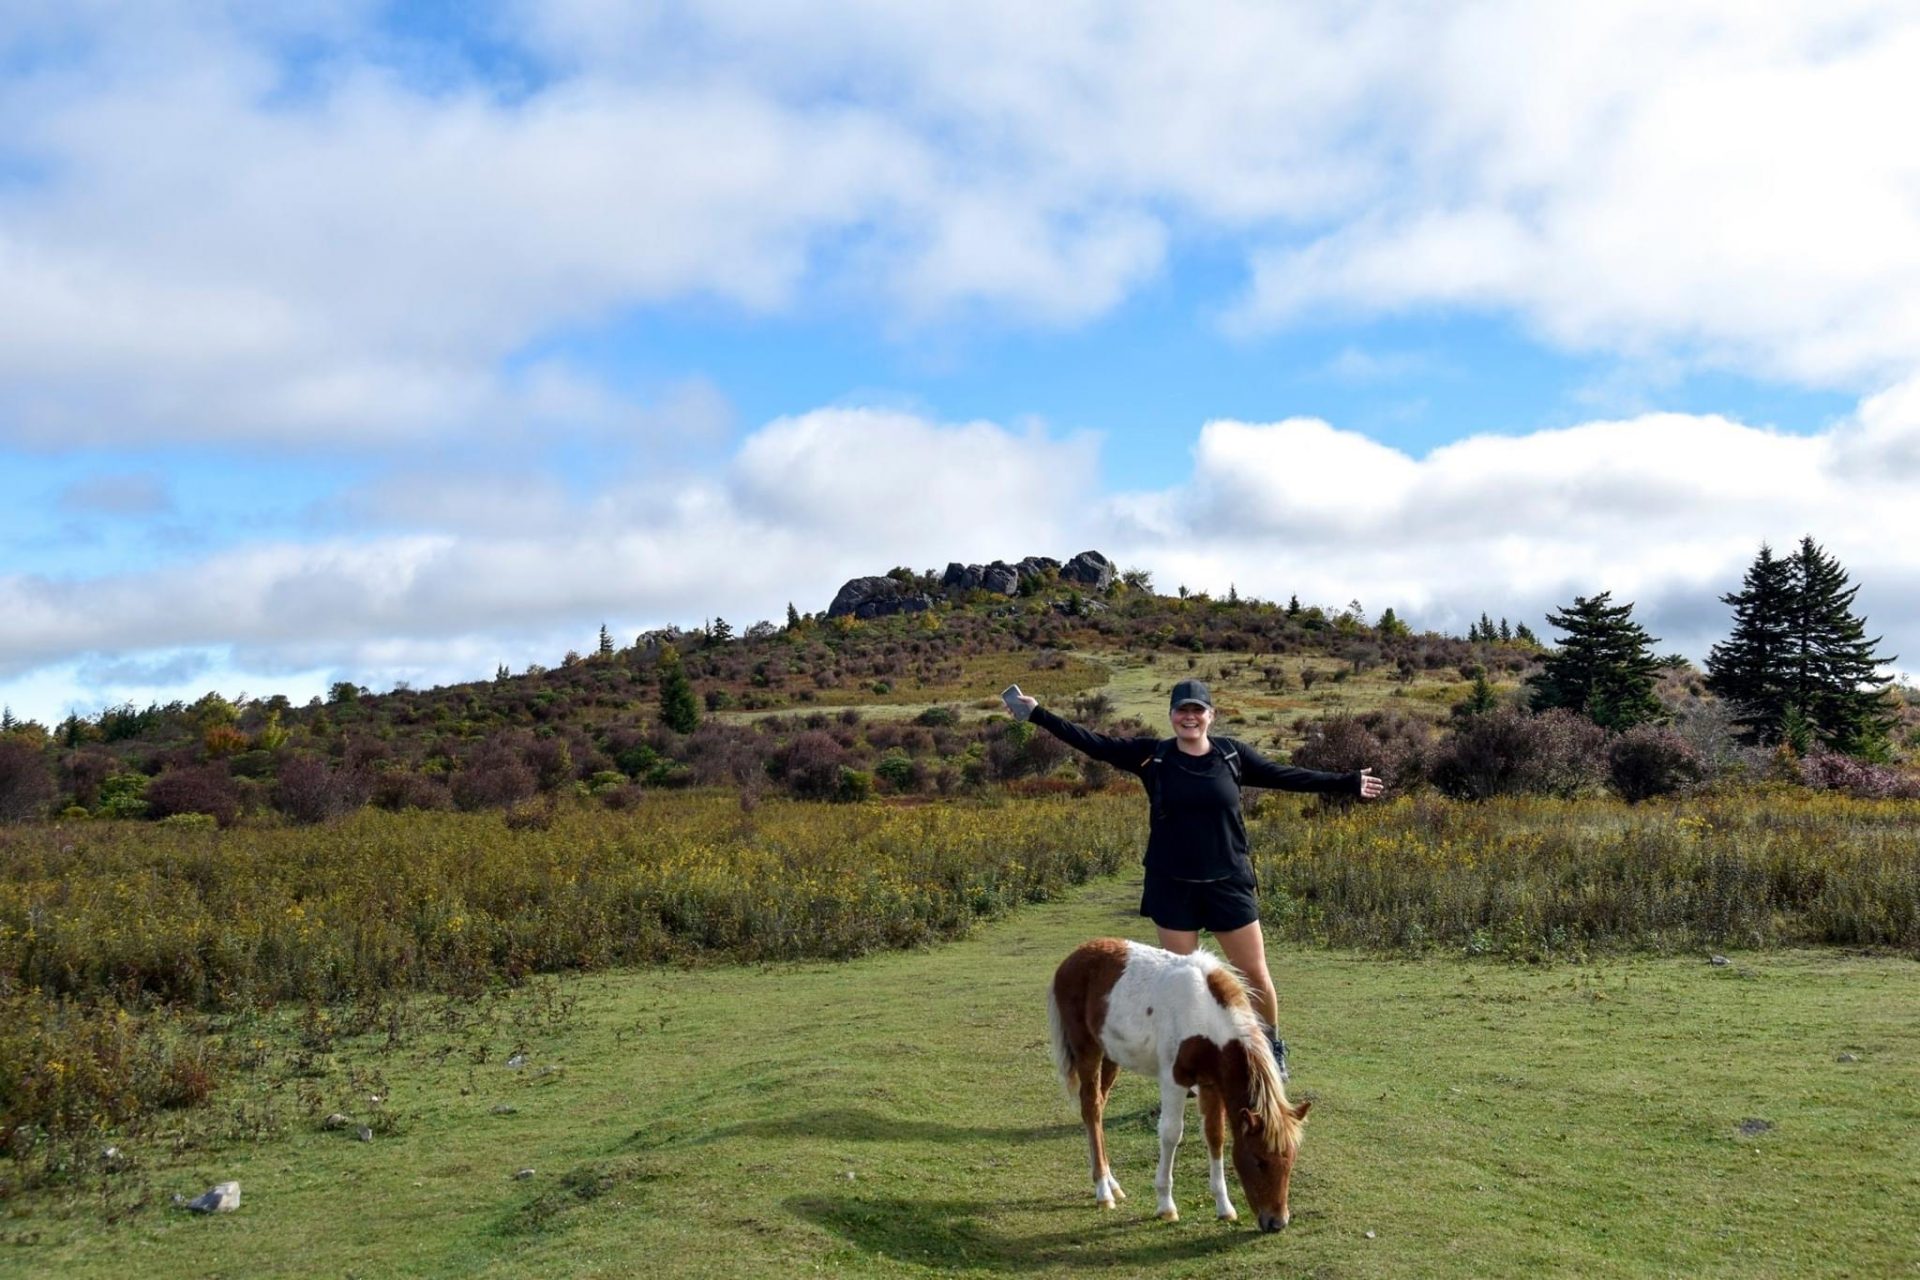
<point>395,342</point>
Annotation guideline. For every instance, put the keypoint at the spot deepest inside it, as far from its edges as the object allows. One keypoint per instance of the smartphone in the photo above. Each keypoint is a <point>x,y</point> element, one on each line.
<point>1011,696</point>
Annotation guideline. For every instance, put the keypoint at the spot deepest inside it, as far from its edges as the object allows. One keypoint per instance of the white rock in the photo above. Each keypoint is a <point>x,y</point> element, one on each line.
<point>517,1061</point>
<point>222,1198</point>
<point>522,1175</point>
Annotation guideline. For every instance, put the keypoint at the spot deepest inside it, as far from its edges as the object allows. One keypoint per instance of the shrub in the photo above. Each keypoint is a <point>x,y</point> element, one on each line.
<point>307,789</point>
<point>123,795</point>
<point>26,788</point>
<point>206,790</point>
<point>1509,751</point>
<point>810,765</point>
<point>495,781</point>
<point>1022,751</point>
<point>897,770</point>
<point>1652,760</point>
<point>937,717</point>
<point>400,789</point>
<point>1395,745</point>
<point>1831,771</point>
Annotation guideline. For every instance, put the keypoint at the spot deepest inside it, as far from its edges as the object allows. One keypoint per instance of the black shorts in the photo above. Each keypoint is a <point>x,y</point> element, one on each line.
<point>1217,906</point>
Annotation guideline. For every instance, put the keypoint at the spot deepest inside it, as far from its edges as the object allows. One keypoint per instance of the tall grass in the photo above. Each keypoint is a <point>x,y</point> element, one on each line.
<point>1536,878</point>
<point>438,900</point>
<point>110,932</point>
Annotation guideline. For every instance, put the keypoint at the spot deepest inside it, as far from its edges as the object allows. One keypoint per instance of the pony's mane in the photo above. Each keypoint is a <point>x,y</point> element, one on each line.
<point>1266,1092</point>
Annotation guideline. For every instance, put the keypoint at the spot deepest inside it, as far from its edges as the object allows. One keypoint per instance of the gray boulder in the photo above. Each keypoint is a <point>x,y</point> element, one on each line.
<point>961,577</point>
<point>1089,569</point>
<point>1000,578</point>
<point>877,598</point>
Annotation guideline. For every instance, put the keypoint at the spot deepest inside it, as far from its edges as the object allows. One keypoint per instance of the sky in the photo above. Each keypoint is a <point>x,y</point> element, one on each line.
<point>395,342</point>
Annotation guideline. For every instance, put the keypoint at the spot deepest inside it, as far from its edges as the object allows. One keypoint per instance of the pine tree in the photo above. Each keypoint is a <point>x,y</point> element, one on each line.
<point>679,709</point>
<point>1750,668</point>
<point>606,641</point>
<point>720,632</point>
<point>1506,632</point>
<point>1797,664</point>
<point>1293,606</point>
<point>1604,669</point>
<point>793,616</point>
<point>1524,634</point>
<point>1831,660</point>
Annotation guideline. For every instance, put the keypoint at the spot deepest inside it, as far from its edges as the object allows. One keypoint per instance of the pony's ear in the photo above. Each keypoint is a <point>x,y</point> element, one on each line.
<point>1300,1112</point>
<point>1250,1120</point>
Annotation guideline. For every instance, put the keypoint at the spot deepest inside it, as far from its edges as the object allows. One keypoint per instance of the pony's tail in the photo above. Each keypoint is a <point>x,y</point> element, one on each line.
<point>1062,1053</point>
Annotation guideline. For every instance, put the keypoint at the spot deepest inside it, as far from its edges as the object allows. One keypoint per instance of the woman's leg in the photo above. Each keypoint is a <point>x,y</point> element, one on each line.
<point>1247,951</point>
<point>1182,942</point>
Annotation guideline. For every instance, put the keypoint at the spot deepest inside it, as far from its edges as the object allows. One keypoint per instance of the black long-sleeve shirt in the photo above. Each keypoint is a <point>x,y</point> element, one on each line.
<point>1197,831</point>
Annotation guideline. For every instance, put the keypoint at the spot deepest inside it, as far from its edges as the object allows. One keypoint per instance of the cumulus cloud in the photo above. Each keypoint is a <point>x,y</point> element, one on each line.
<point>206,238</point>
<point>1664,509</point>
<point>806,503</point>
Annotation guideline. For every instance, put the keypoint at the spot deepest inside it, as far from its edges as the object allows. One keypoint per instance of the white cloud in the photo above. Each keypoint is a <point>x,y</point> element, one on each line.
<point>211,247</point>
<point>1665,509</point>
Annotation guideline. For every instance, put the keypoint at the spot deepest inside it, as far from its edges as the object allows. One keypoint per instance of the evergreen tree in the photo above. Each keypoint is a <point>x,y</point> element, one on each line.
<point>1750,668</point>
<point>1604,669</point>
<point>1506,632</point>
<point>1831,660</point>
<point>1293,606</point>
<point>720,632</point>
<point>606,642</point>
<point>1524,634</point>
<point>793,616</point>
<point>1798,665</point>
<point>679,709</point>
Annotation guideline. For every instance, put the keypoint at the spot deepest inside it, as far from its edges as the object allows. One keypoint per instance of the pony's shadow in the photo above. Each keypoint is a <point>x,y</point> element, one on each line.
<point>854,1125</point>
<point>958,1234</point>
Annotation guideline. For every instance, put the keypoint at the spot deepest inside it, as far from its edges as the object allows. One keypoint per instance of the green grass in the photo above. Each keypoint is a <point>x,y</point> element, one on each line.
<point>895,1115</point>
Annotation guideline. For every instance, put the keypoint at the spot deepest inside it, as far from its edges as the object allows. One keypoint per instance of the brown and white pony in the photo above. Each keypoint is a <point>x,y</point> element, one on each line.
<point>1186,1020</point>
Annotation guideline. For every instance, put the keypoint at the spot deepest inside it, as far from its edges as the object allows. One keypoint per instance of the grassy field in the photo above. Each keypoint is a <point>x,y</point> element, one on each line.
<point>895,1115</point>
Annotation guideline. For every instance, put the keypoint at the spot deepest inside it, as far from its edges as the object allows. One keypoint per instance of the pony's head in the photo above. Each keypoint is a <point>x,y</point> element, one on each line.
<point>1266,1127</point>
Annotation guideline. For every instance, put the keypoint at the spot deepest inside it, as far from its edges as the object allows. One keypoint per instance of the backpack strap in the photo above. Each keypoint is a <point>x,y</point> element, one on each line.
<point>1151,768</point>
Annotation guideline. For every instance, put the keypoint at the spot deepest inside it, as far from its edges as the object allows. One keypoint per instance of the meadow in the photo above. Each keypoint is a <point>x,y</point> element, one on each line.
<point>894,1115</point>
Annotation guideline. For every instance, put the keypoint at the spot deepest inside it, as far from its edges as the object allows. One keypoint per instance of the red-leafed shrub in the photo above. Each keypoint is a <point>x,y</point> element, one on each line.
<point>307,789</point>
<point>26,788</point>
<point>205,790</point>
<point>1509,752</point>
<point>1652,760</point>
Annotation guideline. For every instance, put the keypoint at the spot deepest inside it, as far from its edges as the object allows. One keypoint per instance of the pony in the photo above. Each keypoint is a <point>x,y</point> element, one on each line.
<point>1187,1020</point>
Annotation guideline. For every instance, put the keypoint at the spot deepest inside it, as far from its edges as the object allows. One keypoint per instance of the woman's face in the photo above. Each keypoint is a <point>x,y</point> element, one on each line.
<point>1191,721</point>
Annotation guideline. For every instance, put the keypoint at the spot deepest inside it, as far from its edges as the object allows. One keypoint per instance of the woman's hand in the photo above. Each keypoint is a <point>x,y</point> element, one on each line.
<point>1370,786</point>
<point>1028,701</point>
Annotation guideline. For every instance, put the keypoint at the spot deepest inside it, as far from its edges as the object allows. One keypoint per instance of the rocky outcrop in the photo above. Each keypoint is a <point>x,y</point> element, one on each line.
<point>1089,569</point>
<point>878,598</point>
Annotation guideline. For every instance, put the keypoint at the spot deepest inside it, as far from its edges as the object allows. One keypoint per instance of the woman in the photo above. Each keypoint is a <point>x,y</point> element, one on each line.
<point>1198,876</point>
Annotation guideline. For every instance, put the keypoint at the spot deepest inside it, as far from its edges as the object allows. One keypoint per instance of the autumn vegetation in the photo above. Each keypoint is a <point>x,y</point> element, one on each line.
<point>828,787</point>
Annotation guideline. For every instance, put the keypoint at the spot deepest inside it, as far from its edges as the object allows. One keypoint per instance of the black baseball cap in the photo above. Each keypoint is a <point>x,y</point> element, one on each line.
<point>1191,691</point>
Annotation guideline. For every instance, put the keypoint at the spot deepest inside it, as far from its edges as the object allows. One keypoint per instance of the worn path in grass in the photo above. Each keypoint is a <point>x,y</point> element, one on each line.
<point>897,1116</point>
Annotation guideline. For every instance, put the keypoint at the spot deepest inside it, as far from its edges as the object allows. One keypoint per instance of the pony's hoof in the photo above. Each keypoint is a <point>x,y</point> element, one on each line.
<point>1229,1216</point>
<point>1169,1215</point>
<point>1118,1194</point>
<point>1103,1204</point>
